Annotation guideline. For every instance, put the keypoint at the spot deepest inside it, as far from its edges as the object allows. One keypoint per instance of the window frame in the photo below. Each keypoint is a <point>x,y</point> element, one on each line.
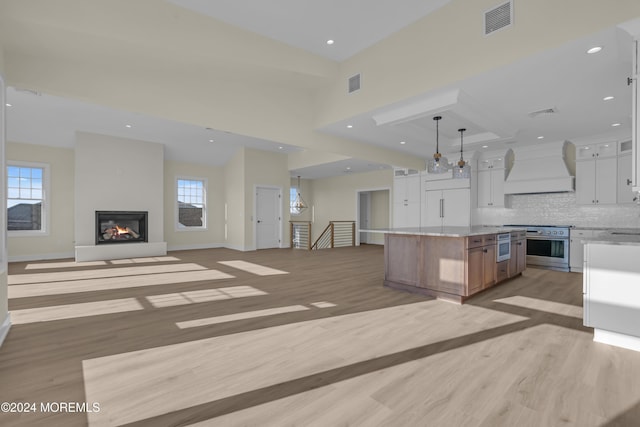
<point>296,190</point>
<point>46,198</point>
<point>205,190</point>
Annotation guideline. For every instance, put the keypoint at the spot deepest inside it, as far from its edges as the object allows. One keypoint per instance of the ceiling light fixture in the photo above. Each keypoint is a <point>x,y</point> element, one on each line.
<point>541,137</point>
<point>438,164</point>
<point>280,148</point>
<point>615,124</point>
<point>403,142</point>
<point>8,105</point>
<point>211,140</point>
<point>594,49</point>
<point>349,126</point>
<point>462,170</point>
<point>127,126</point>
<point>607,98</point>
<point>298,205</point>
<point>330,42</point>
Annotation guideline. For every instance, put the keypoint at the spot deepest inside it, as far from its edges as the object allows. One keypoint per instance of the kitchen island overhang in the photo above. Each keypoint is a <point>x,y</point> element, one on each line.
<point>450,263</point>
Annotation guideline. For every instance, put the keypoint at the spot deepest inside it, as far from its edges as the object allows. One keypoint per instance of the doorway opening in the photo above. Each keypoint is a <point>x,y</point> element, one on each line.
<point>372,212</point>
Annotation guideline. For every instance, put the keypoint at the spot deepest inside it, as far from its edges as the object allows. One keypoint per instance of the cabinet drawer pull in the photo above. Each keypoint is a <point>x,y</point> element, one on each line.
<point>477,241</point>
<point>485,250</point>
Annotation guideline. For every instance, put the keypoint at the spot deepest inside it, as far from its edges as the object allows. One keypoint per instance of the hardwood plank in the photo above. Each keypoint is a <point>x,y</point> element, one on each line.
<point>516,354</point>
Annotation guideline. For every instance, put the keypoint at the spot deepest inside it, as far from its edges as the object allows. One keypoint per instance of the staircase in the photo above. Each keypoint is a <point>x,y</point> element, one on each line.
<point>336,234</point>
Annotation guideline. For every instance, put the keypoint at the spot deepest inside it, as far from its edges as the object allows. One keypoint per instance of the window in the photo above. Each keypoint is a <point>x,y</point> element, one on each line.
<point>191,203</point>
<point>27,185</point>
<point>293,193</point>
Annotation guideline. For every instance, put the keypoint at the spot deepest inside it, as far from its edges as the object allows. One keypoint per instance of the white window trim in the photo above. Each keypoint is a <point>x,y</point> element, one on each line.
<point>176,222</point>
<point>46,198</point>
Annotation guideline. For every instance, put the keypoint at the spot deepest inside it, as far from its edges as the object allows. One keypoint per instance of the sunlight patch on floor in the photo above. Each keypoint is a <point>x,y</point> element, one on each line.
<point>72,311</point>
<point>64,264</point>
<point>20,279</point>
<point>240,316</point>
<point>203,295</point>
<point>543,305</point>
<point>188,374</point>
<point>110,283</point>
<point>252,268</point>
<point>144,260</point>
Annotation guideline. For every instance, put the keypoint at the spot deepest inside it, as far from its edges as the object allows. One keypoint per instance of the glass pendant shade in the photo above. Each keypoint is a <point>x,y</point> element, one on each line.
<point>462,170</point>
<point>298,205</point>
<point>439,163</point>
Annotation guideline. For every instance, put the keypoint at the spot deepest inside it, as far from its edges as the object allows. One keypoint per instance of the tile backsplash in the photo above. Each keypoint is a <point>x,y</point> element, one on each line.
<point>559,209</point>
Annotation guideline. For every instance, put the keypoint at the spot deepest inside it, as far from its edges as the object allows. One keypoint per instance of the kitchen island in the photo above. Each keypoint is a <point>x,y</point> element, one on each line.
<point>611,287</point>
<point>451,263</point>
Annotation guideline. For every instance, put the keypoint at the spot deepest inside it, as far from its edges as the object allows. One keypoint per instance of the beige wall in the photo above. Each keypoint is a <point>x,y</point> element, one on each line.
<point>271,170</point>
<point>235,201</point>
<point>4,302</point>
<point>59,242</point>
<point>449,45</point>
<point>380,214</point>
<point>213,236</point>
<point>336,198</point>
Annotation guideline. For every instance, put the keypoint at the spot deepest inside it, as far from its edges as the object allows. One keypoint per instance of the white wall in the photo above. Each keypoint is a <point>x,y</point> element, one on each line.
<point>559,209</point>
<point>213,236</point>
<point>59,241</point>
<point>117,174</point>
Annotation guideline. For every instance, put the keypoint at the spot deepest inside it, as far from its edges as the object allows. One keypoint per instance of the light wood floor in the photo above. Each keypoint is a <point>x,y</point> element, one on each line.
<point>297,338</point>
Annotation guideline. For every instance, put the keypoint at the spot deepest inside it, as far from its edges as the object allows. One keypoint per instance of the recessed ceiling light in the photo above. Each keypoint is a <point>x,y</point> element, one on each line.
<point>280,148</point>
<point>211,140</point>
<point>403,142</point>
<point>615,124</point>
<point>348,168</point>
<point>330,42</point>
<point>541,137</point>
<point>607,98</point>
<point>127,126</point>
<point>8,105</point>
<point>485,146</point>
<point>349,126</point>
<point>594,49</point>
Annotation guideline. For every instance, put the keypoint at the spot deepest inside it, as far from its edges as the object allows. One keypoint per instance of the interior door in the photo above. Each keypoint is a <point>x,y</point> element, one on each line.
<point>267,218</point>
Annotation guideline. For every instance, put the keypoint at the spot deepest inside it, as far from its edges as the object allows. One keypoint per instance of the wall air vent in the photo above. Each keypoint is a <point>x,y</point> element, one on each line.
<point>542,113</point>
<point>354,83</point>
<point>499,17</point>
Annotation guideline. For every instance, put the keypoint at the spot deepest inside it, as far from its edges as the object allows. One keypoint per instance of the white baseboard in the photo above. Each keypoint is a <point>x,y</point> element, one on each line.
<point>196,246</point>
<point>617,339</point>
<point>237,248</point>
<point>4,329</point>
<point>40,257</point>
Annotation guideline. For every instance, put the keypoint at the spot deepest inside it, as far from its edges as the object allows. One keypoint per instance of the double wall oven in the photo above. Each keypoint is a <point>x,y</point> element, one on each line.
<point>547,246</point>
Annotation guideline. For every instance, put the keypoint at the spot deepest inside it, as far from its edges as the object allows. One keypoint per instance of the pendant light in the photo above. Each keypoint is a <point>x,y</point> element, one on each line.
<point>298,205</point>
<point>438,164</point>
<point>462,169</point>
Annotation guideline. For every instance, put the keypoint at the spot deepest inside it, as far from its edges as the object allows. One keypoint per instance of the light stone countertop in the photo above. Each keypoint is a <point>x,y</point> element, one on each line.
<point>616,237</point>
<point>475,230</point>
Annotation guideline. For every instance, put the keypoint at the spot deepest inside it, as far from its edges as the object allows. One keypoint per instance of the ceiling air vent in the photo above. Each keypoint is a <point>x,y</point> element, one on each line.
<point>499,17</point>
<point>354,83</point>
<point>543,112</point>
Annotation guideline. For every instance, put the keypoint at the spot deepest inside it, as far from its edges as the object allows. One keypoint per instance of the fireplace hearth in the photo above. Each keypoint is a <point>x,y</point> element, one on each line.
<point>114,227</point>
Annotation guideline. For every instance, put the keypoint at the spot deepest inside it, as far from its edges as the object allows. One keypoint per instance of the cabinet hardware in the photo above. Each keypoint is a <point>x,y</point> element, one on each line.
<point>630,80</point>
<point>485,250</point>
<point>628,181</point>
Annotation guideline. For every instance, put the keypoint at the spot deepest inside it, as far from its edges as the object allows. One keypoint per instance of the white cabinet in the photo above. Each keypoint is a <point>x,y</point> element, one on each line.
<point>406,201</point>
<point>576,247</point>
<point>635,116</point>
<point>491,188</point>
<point>625,189</point>
<point>596,176</point>
<point>450,207</point>
<point>612,293</point>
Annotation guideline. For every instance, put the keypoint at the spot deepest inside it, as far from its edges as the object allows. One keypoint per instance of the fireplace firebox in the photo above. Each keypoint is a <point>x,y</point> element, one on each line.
<point>121,227</point>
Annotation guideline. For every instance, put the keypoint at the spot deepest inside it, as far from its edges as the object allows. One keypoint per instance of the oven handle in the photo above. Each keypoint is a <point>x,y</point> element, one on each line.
<point>548,238</point>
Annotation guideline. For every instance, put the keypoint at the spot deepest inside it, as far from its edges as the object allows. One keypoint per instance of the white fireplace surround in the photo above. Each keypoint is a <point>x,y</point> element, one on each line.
<point>130,180</point>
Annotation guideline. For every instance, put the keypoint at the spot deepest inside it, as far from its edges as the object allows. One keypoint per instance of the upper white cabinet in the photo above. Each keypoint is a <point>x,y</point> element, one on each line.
<point>625,188</point>
<point>492,170</point>
<point>596,173</point>
<point>406,198</point>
